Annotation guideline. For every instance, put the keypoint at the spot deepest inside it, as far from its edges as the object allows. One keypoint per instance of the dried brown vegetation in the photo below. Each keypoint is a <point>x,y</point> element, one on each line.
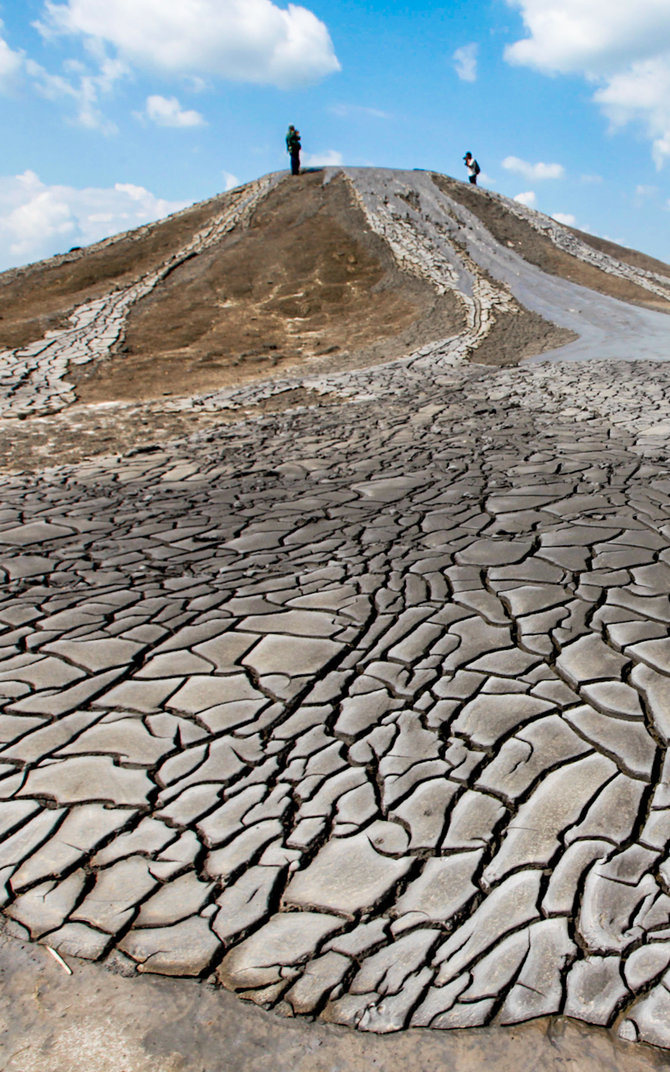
<point>306,283</point>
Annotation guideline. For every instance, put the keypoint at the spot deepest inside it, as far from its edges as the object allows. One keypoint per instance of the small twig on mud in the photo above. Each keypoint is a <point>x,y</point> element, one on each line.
<point>58,958</point>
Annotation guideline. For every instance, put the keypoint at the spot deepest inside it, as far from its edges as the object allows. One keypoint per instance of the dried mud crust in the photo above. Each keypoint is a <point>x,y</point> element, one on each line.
<point>519,335</point>
<point>41,296</point>
<point>80,432</point>
<point>536,249</point>
<point>359,711</point>
<point>306,284</point>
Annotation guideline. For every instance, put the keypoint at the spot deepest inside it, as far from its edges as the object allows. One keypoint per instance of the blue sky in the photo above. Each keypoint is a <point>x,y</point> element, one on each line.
<point>120,111</point>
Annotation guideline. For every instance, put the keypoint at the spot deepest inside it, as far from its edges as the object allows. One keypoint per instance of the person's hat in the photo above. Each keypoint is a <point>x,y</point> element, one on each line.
<point>467,155</point>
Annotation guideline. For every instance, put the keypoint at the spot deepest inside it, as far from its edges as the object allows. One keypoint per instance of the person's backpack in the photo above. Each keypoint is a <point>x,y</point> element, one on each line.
<point>476,167</point>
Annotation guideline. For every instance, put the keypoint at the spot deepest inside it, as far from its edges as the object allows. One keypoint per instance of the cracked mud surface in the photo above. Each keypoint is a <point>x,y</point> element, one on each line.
<point>366,722</point>
<point>355,702</point>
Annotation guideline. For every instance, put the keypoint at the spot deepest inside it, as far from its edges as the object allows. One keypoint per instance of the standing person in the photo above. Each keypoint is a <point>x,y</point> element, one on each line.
<point>473,168</point>
<point>293,147</point>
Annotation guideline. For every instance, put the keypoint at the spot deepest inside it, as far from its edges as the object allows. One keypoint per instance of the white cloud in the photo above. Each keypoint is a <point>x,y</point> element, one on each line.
<point>465,62</point>
<point>620,47</point>
<point>534,172</point>
<point>595,37</point>
<point>29,224</point>
<point>244,40</point>
<point>328,158</point>
<point>345,111</point>
<point>230,180</point>
<point>564,217</point>
<point>11,63</point>
<point>641,93</point>
<point>38,220</point>
<point>529,199</point>
<point>196,84</point>
<point>80,84</point>
<point>82,89</point>
<point>168,112</point>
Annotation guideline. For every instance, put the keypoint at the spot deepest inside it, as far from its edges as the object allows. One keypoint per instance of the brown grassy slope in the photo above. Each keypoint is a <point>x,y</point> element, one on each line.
<point>306,283</point>
<point>623,253</point>
<point>41,296</point>
<point>539,250</point>
<point>307,286</point>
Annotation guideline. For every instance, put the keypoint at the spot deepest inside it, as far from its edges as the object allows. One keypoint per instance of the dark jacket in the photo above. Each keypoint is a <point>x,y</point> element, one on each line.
<point>293,141</point>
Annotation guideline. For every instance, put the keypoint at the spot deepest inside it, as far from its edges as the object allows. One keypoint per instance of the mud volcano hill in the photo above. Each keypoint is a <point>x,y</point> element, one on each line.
<point>284,279</point>
<point>334,653</point>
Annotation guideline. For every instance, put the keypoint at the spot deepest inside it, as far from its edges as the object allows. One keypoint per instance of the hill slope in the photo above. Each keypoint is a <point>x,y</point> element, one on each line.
<point>285,277</point>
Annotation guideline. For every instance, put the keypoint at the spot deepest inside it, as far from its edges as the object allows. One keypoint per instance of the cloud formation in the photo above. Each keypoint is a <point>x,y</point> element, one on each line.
<point>623,48</point>
<point>565,218</point>
<point>595,37</point>
<point>168,112</point>
<point>38,220</point>
<point>537,171</point>
<point>244,40</point>
<point>328,158</point>
<point>644,191</point>
<point>230,181</point>
<point>465,62</point>
<point>11,63</point>
<point>80,87</point>
<point>347,111</point>
<point>528,198</point>
<point>642,94</point>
